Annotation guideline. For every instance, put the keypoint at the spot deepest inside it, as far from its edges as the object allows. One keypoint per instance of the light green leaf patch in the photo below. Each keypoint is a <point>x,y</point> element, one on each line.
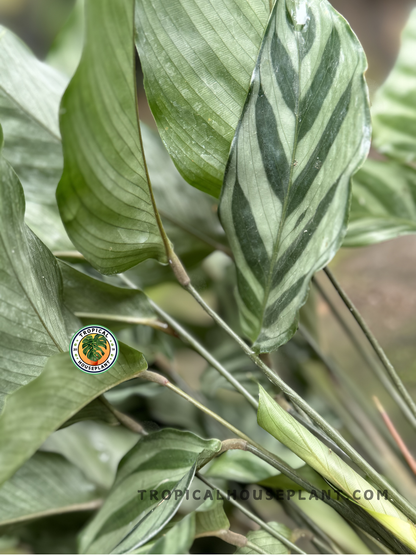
<point>46,485</point>
<point>383,203</point>
<point>104,196</point>
<point>303,133</point>
<point>30,93</point>
<point>394,106</point>
<point>37,409</point>
<point>163,462</point>
<point>197,59</point>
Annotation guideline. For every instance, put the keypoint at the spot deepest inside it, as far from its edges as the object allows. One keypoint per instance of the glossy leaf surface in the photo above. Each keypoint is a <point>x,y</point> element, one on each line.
<point>303,133</point>
<point>197,59</point>
<point>394,106</point>
<point>164,462</point>
<point>383,203</point>
<point>34,411</point>
<point>104,196</point>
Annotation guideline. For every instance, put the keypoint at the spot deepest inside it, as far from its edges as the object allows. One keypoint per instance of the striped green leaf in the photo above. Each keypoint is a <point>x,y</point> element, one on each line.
<point>294,435</point>
<point>197,58</point>
<point>383,203</point>
<point>394,106</point>
<point>174,538</point>
<point>46,485</point>
<point>304,131</point>
<point>163,462</point>
<point>39,408</point>
<point>104,194</point>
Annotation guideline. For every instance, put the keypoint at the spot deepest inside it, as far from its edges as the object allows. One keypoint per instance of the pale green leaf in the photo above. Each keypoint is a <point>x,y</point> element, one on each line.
<point>96,411</point>
<point>104,196</point>
<point>66,50</point>
<point>105,303</point>
<point>37,409</point>
<point>33,319</point>
<point>30,93</point>
<point>383,203</point>
<point>304,131</point>
<point>93,447</point>
<point>394,106</point>
<point>211,520</point>
<point>46,485</point>
<point>174,538</point>
<point>241,466</point>
<point>266,542</point>
<point>197,59</point>
<point>332,524</point>
<point>164,461</point>
<point>291,433</point>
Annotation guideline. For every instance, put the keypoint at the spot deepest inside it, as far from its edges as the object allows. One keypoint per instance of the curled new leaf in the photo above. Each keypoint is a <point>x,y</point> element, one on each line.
<point>291,433</point>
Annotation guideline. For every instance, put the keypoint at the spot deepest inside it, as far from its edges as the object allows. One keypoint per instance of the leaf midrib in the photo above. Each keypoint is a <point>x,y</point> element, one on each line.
<point>276,248</point>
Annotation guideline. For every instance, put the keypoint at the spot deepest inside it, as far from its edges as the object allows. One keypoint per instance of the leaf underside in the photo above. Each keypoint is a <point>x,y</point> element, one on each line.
<point>304,131</point>
<point>104,196</point>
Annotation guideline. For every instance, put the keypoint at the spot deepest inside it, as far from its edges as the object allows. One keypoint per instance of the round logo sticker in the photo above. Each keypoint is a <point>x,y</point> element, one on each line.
<point>94,349</point>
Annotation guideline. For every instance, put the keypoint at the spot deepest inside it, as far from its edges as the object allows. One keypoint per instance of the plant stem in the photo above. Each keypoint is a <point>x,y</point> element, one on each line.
<point>125,420</point>
<point>259,521</point>
<point>377,479</point>
<point>384,379</point>
<point>188,338</point>
<point>373,342</point>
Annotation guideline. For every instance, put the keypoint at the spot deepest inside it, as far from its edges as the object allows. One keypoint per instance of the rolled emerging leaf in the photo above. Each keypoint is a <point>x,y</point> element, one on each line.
<point>304,131</point>
<point>291,433</point>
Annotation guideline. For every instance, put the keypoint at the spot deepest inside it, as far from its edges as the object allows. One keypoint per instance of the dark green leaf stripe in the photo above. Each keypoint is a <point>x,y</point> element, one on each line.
<point>104,196</point>
<point>303,133</point>
<point>163,461</point>
<point>394,106</point>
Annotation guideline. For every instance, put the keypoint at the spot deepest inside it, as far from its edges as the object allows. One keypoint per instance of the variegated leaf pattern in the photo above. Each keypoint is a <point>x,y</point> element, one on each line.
<point>304,131</point>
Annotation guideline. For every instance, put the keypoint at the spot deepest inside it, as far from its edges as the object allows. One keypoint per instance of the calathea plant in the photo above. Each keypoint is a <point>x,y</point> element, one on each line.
<point>263,114</point>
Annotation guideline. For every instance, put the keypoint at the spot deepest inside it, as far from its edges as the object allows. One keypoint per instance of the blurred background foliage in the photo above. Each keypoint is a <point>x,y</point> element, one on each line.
<point>380,280</point>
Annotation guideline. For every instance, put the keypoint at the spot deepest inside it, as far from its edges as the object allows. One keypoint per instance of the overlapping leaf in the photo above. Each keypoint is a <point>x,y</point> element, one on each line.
<point>394,106</point>
<point>34,323</point>
<point>383,203</point>
<point>197,59</point>
<point>37,409</point>
<point>174,538</point>
<point>164,462</point>
<point>303,133</point>
<point>291,433</point>
<point>30,93</point>
<point>47,484</point>
<point>104,196</point>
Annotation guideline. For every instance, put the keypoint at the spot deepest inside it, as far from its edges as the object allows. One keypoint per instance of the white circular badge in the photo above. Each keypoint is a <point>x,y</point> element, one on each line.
<point>94,349</point>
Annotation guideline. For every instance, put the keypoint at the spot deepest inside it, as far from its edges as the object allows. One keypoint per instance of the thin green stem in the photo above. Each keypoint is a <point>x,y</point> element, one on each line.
<point>252,516</point>
<point>384,379</point>
<point>377,479</point>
